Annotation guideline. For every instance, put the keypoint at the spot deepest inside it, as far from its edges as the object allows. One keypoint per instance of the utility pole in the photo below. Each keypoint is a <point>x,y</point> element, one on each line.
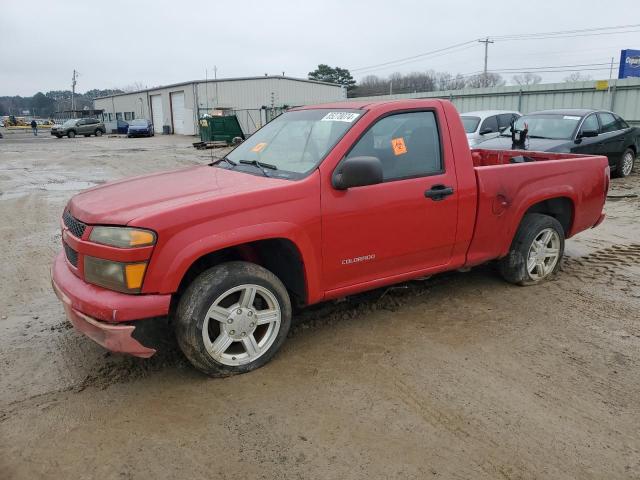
<point>486,55</point>
<point>73,91</point>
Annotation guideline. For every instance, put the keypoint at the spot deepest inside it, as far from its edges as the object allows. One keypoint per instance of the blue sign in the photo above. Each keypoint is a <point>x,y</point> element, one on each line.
<point>629,64</point>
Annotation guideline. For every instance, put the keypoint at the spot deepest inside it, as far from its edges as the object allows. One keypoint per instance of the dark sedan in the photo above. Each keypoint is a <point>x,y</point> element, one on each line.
<point>140,128</point>
<point>589,132</point>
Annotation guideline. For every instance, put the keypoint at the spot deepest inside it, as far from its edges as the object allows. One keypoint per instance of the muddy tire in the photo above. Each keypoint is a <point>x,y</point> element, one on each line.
<point>624,166</point>
<point>98,133</point>
<point>536,251</point>
<point>71,134</point>
<point>232,319</point>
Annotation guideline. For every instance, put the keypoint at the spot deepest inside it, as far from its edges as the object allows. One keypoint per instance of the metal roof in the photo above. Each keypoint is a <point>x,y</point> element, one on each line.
<point>221,80</point>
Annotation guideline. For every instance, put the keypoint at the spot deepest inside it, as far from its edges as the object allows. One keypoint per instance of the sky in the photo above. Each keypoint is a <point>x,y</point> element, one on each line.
<point>117,43</point>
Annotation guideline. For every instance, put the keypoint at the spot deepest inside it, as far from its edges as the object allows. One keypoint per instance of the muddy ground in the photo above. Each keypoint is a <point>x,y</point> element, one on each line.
<point>461,376</point>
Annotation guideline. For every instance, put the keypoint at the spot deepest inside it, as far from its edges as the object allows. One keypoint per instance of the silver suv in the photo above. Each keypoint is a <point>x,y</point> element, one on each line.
<point>79,126</point>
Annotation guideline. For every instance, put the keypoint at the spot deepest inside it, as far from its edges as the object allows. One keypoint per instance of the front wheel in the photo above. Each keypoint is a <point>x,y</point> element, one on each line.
<point>232,319</point>
<point>536,251</point>
<point>624,167</point>
<point>98,133</point>
<point>71,134</point>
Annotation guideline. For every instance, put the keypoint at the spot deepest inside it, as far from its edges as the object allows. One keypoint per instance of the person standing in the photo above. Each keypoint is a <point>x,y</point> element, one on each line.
<point>34,127</point>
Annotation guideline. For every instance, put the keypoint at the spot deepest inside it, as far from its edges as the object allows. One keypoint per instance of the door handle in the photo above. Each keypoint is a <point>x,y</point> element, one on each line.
<point>438,192</point>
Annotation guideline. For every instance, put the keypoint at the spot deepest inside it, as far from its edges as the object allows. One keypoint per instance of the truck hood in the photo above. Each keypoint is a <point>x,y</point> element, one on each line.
<point>120,202</point>
<point>533,144</point>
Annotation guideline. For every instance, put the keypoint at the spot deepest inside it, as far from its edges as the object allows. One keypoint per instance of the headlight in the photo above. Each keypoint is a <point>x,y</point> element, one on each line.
<point>122,277</point>
<point>122,237</point>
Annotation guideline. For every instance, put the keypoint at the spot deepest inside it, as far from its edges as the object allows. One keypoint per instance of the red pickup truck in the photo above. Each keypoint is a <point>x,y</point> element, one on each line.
<point>323,202</point>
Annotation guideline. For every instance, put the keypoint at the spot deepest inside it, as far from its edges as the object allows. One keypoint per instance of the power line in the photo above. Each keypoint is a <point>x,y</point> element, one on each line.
<point>414,56</point>
<point>516,37</point>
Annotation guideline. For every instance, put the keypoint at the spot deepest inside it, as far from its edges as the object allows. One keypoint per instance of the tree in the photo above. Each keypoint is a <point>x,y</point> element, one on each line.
<point>134,87</point>
<point>527,78</point>
<point>482,80</point>
<point>42,105</point>
<point>341,76</point>
<point>577,77</point>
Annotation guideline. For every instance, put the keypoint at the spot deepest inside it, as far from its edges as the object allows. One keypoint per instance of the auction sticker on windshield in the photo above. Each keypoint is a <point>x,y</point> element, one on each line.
<point>399,147</point>
<point>340,117</point>
<point>570,117</point>
<point>259,147</point>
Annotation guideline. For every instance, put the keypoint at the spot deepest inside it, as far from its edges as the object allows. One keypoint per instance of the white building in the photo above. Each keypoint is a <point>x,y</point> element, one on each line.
<point>254,100</point>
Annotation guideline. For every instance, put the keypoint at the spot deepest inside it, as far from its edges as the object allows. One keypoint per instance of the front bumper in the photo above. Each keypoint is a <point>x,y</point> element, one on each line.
<point>99,313</point>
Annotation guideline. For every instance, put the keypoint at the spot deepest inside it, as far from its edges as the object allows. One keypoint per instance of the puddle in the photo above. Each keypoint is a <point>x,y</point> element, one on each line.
<point>66,186</point>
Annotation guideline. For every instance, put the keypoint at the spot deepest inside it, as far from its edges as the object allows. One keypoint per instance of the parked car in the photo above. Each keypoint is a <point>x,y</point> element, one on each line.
<point>79,126</point>
<point>593,132</point>
<point>122,127</point>
<point>321,203</point>
<point>140,127</point>
<point>486,124</point>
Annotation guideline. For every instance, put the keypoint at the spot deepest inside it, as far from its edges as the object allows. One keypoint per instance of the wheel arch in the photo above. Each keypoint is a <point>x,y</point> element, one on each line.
<point>561,208</point>
<point>279,255</point>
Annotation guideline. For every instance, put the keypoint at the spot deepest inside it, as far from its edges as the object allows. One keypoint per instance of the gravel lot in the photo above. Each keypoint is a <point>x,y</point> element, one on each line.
<point>461,376</point>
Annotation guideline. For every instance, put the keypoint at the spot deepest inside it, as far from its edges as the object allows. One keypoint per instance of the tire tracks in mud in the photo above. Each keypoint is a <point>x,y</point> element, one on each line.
<point>611,266</point>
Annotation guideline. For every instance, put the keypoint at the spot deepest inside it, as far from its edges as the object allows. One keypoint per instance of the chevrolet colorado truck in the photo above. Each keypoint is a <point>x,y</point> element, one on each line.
<point>321,203</point>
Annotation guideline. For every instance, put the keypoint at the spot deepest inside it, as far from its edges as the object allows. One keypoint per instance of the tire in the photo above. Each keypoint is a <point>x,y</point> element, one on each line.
<point>71,134</point>
<point>98,133</point>
<point>624,166</point>
<point>517,266</point>
<point>220,346</point>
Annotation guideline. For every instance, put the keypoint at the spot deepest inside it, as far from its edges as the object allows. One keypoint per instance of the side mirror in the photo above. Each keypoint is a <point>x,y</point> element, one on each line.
<point>357,172</point>
<point>484,131</point>
<point>588,133</point>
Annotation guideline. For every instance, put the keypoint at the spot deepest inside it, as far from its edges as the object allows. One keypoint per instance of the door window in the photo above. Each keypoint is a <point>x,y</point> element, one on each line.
<point>407,144</point>
<point>505,119</point>
<point>590,124</point>
<point>490,122</point>
<point>608,122</point>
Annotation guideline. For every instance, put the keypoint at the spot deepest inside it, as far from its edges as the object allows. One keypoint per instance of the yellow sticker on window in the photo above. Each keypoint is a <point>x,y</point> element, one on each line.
<point>399,148</point>
<point>259,147</point>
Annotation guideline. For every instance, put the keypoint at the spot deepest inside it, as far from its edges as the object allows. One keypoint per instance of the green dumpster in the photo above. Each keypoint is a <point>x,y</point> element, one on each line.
<point>220,129</point>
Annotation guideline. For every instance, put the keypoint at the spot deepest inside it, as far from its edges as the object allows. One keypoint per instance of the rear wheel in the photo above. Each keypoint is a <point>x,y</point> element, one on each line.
<point>71,134</point>
<point>233,319</point>
<point>536,251</point>
<point>624,167</point>
<point>98,133</point>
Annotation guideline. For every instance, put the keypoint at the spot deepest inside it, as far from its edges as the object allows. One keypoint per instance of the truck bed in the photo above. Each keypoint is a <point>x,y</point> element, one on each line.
<point>507,190</point>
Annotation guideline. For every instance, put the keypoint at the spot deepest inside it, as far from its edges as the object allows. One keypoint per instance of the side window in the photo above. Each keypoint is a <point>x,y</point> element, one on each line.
<point>621,123</point>
<point>590,123</point>
<point>504,120</point>
<point>490,122</point>
<point>407,144</point>
<point>608,122</point>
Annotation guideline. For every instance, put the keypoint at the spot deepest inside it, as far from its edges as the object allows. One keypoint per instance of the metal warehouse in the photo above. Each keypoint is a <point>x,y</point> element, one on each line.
<point>255,100</point>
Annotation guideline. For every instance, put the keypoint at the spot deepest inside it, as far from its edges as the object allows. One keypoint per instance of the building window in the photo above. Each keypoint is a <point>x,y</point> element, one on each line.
<point>127,115</point>
<point>119,116</point>
<point>133,115</point>
<point>111,117</point>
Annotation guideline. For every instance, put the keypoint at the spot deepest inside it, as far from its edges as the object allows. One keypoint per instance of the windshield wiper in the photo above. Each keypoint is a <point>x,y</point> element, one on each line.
<point>260,165</point>
<point>223,159</point>
<point>538,136</point>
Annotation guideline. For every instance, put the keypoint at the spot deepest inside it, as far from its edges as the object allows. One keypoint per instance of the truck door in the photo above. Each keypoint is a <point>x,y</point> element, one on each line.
<point>404,224</point>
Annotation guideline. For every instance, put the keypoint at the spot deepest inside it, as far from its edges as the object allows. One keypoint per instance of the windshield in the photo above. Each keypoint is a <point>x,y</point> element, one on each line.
<point>69,123</point>
<point>140,122</point>
<point>470,123</point>
<point>549,125</point>
<point>296,141</point>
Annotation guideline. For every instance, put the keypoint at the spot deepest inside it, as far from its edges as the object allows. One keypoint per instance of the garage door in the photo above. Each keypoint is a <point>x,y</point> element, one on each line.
<point>156,110</point>
<point>177,112</point>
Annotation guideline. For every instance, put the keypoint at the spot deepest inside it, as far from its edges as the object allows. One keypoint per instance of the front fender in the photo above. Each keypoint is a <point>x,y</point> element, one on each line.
<point>171,262</point>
